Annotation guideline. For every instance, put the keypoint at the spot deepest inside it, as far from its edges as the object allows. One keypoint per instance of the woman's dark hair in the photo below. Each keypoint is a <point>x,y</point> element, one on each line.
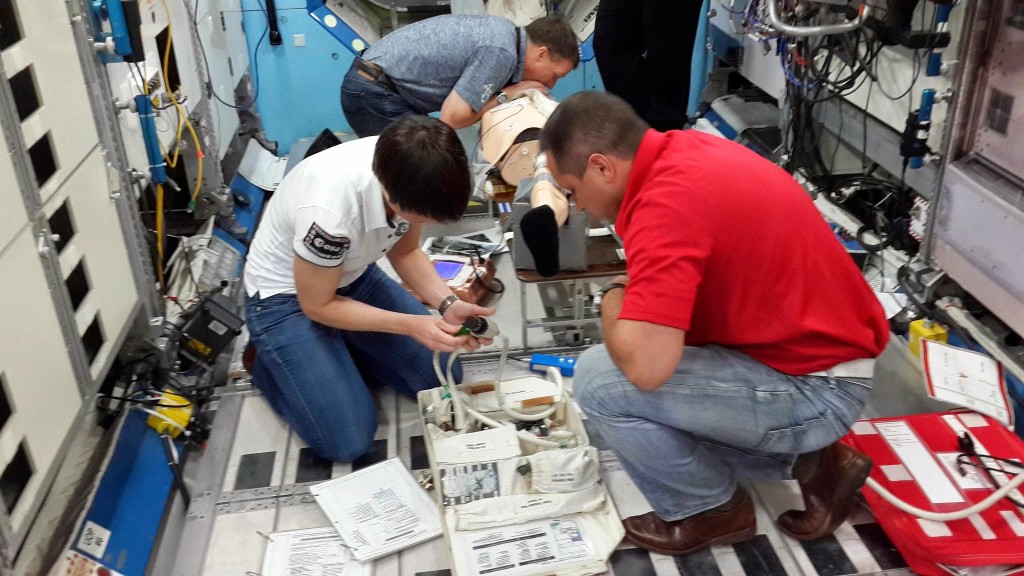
<point>422,164</point>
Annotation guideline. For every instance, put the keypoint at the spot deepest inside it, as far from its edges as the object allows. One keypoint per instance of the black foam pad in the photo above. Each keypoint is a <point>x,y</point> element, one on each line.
<point>540,233</point>
<point>326,139</point>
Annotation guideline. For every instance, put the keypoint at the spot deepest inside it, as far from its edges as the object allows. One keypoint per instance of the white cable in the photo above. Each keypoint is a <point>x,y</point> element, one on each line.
<point>524,436</point>
<point>540,415</point>
<point>437,370</point>
<point>947,516</point>
<point>165,419</point>
<point>458,413</point>
<point>502,360</point>
<point>461,410</point>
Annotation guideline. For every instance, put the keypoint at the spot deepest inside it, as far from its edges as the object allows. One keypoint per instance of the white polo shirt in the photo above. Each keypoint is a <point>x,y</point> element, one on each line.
<point>329,210</point>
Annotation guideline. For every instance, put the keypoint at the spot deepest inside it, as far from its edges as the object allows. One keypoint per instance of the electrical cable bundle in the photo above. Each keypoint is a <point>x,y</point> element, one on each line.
<point>882,205</point>
<point>834,66</point>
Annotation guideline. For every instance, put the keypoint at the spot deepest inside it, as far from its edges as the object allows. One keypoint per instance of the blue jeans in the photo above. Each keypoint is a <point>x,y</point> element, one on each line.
<point>369,106</point>
<point>316,376</point>
<point>722,416</point>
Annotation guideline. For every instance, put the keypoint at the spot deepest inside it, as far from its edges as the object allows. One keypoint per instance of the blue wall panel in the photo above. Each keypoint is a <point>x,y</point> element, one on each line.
<point>300,86</point>
<point>701,64</point>
<point>574,82</point>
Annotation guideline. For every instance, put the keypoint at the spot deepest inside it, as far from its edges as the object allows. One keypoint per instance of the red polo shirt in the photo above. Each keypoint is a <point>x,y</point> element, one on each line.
<point>727,246</point>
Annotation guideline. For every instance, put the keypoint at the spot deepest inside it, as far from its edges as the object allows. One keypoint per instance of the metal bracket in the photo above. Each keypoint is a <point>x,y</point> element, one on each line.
<point>113,175</point>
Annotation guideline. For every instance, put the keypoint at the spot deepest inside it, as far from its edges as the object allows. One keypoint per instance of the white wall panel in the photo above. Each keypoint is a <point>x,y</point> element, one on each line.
<point>99,240</point>
<point>13,216</point>
<point>48,45</point>
<point>40,380</point>
<point>229,58</point>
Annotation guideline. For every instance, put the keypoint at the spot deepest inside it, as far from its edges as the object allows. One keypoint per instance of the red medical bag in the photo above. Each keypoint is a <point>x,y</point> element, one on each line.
<point>916,459</point>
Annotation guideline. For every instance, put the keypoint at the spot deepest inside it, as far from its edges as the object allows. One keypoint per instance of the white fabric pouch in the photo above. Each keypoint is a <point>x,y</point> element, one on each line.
<point>564,471</point>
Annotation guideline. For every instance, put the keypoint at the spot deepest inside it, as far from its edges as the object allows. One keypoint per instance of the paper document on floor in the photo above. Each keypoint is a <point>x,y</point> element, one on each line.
<point>311,552</point>
<point>379,510</point>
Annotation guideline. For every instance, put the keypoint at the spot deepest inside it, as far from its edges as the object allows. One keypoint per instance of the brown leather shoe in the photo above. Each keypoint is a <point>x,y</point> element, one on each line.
<point>828,478</point>
<point>729,523</point>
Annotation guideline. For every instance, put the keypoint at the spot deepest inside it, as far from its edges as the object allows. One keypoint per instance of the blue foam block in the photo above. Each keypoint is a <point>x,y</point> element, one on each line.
<point>565,364</point>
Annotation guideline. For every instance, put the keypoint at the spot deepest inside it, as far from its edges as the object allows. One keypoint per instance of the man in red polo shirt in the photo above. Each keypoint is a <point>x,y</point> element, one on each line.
<point>728,344</point>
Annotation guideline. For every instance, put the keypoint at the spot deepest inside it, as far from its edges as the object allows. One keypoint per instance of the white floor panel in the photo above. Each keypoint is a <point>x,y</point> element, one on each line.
<point>260,431</point>
<point>237,546</point>
<point>308,515</point>
<point>291,465</point>
<point>664,565</point>
<point>855,549</point>
<point>791,562</point>
<point>627,497</point>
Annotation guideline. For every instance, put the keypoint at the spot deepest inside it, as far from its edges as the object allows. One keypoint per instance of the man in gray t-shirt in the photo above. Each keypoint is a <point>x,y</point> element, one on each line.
<point>458,65</point>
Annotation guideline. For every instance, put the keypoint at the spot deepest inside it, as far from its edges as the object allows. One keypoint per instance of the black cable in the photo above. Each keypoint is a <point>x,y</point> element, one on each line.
<point>175,464</point>
<point>151,402</point>
<point>973,453</point>
<point>873,248</point>
<point>487,285</point>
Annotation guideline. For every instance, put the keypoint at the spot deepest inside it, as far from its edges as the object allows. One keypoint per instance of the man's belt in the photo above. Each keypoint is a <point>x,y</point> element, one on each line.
<point>373,72</point>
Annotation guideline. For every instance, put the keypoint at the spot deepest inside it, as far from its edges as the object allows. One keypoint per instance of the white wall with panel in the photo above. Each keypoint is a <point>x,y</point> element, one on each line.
<point>896,76</point>
<point>61,131</point>
<point>77,296</point>
<point>126,83</point>
<point>38,379</point>
<point>76,195</point>
<point>93,260</point>
<point>224,41</point>
<point>38,392</point>
<point>13,216</point>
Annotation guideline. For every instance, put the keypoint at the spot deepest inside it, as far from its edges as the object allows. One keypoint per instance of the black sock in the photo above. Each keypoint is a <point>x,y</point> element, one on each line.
<point>540,233</point>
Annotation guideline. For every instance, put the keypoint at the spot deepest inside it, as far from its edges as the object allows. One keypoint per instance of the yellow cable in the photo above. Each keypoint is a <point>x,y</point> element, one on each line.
<point>184,115</point>
<point>173,162</point>
<point>160,234</point>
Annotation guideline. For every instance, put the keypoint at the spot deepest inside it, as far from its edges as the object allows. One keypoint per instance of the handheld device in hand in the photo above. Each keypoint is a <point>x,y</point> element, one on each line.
<point>480,327</point>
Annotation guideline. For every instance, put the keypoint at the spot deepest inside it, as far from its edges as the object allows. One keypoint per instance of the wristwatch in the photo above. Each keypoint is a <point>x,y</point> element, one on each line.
<point>502,98</point>
<point>599,297</point>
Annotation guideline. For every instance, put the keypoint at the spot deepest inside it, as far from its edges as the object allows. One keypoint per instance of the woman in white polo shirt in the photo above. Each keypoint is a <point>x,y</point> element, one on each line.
<point>323,317</point>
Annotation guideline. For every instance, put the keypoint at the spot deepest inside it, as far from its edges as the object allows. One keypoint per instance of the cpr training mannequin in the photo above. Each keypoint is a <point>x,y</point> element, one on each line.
<point>509,140</point>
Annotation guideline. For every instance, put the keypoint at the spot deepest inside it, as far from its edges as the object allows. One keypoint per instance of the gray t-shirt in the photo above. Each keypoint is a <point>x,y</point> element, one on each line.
<point>476,56</point>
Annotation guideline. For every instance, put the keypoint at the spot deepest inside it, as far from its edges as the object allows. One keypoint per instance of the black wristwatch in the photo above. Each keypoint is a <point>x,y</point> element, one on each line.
<point>599,297</point>
<point>502,98</point>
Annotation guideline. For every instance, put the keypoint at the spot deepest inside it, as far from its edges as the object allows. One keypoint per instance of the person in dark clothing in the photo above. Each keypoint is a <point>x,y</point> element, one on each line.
<point>643,49</point>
